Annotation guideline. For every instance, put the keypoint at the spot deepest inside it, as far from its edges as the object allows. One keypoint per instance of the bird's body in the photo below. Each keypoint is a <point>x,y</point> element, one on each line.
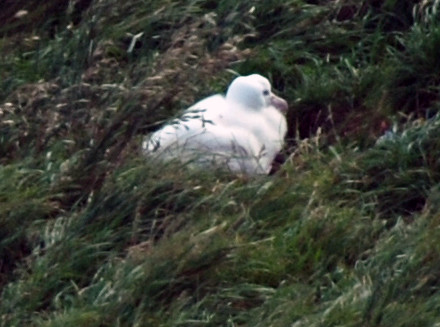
<point>242,131</point>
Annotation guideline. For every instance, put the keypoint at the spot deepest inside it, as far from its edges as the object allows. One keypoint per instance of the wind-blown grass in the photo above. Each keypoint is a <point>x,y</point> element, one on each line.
<point>94,234</point>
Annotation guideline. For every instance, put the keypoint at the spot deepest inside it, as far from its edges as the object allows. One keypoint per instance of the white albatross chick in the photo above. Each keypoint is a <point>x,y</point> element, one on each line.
<point>242,131</point>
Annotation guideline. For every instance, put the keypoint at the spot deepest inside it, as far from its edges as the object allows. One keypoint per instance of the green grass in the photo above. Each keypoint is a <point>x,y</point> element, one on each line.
<point>94,234</point>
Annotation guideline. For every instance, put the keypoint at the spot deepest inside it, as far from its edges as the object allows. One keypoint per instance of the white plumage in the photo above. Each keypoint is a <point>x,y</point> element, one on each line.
<point>242,131</point>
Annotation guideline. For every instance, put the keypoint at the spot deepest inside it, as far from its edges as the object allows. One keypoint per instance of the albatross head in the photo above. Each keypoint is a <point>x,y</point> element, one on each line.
<point>254,91</point>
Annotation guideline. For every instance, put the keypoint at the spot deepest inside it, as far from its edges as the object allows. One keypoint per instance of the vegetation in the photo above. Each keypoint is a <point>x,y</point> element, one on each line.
<point>345,233</point>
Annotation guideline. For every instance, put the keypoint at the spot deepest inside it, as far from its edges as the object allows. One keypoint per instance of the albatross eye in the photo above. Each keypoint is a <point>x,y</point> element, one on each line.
<point>266,92</point>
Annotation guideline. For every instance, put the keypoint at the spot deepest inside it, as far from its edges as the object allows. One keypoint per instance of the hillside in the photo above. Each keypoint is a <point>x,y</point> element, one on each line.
<point>345,233</point>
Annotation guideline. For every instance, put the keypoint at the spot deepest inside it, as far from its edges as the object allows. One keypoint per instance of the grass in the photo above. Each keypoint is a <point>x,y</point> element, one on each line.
<point>95,234</point>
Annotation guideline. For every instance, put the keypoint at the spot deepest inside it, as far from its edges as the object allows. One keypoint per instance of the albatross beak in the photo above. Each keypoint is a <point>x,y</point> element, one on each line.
<point>279,103</point>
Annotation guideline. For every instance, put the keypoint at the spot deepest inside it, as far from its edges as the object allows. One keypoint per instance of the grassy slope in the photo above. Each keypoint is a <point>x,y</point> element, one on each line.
<point>345,234</point>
